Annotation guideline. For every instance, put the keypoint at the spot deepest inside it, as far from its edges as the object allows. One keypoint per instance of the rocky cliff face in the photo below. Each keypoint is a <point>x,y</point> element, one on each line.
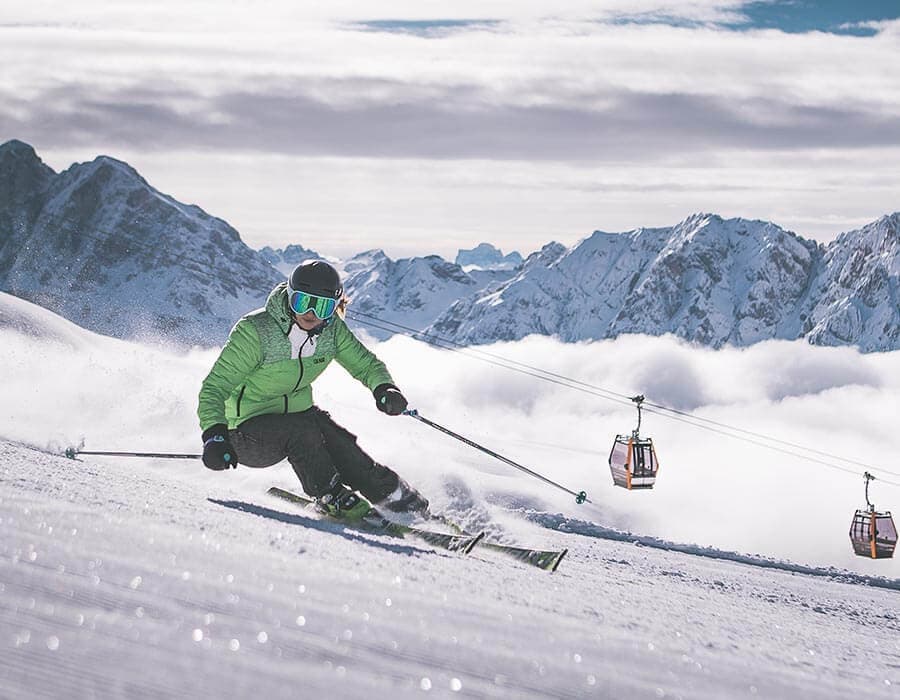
<point>98,245</point>
<point>716,282</point>
<point>23,180</point>
<point>856,300</point>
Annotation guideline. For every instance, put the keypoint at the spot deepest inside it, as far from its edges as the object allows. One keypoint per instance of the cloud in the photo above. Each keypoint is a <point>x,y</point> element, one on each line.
<point>418,206</point>
<point>554,89</point>
<point>712,488</point>
<point>280,14</point>
<point>622,125</point>
<point>443,123</point>
<point>424,28</point>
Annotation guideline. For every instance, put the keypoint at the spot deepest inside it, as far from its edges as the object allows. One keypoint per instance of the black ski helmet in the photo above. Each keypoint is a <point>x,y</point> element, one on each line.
<point>316,277</point>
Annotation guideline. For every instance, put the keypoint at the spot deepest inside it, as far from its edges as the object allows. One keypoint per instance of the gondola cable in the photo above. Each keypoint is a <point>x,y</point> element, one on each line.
<point>661,410</point>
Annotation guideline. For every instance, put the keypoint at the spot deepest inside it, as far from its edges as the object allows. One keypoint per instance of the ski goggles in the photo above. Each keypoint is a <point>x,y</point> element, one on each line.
<point>322,307</point>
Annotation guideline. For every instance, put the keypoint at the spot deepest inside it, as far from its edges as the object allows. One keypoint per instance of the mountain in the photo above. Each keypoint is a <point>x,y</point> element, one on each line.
<point>708,280</point>
<point>718,281</point>
<point>101,247</point>
<point>23,181</point>
<point>286,259</point>
<point>486,257</point>
<point>857,297</point>
<point>411,292</point>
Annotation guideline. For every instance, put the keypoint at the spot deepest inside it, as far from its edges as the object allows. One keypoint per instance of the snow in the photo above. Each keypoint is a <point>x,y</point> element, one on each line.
<point>120,579</point>
<point>153,578</point>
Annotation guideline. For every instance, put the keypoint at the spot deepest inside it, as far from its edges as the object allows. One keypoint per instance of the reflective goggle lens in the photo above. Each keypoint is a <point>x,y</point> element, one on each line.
<point>322,307</point>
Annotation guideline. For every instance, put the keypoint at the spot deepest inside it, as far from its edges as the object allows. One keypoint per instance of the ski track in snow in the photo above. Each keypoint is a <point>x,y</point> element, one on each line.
<point>174,582</point>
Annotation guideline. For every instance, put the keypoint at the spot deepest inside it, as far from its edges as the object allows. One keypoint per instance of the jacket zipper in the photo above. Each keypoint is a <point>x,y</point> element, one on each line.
<point>300,379</point>
<point>240,396</point>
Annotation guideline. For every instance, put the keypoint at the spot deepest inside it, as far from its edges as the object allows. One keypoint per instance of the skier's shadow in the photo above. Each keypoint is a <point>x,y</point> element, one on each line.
<point>320,525</point>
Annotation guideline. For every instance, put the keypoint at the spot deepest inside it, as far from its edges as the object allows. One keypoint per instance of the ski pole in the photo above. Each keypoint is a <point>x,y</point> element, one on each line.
<point>73,452</point>
<point>580,496</point>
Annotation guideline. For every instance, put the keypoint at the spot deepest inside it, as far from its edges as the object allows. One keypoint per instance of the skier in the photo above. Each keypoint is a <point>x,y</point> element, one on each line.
<point>256,403</point>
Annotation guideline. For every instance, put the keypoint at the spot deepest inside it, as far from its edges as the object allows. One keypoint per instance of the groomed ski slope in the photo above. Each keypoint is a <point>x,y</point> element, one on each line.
<point>152,582</point>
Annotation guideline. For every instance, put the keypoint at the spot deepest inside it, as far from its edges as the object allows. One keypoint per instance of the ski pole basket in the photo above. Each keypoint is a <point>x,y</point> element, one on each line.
<point>632,460</point>
<point>873,534</point>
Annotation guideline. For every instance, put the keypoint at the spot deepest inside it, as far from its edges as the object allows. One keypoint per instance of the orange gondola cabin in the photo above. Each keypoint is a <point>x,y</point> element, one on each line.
<point>632,460</point>
<point>873,534</point>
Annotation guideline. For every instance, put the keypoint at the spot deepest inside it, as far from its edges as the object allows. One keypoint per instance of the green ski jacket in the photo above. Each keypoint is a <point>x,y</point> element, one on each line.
<point>268,364</point>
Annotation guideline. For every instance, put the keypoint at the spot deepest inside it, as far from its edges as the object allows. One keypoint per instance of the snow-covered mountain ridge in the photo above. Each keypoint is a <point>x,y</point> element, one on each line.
<point>100,246</point>
<point>410,292</point>
<point>708,280</point>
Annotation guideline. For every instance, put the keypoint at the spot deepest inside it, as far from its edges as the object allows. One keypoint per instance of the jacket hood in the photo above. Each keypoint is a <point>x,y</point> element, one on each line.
<point>277,307</point>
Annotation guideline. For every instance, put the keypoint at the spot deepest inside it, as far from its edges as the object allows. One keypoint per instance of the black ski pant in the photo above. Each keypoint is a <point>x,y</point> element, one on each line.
<point>316,447</point>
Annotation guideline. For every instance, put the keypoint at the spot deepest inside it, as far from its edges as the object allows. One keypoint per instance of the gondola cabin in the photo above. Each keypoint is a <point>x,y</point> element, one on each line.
<point>873,534</point>
<point>633,463</point>
<point>632,460</point>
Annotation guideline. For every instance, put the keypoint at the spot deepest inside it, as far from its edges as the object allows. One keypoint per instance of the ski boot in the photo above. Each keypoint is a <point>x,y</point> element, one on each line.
<point>405,499</point>
<point>340,502</point>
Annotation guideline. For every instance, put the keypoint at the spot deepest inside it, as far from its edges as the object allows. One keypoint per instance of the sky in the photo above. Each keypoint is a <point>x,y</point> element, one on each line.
<point>712,490</point>
<point>424,127</point>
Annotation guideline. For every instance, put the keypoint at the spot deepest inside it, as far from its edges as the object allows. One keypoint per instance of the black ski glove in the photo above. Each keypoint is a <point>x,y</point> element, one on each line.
<point>389,400</point>
<point>218,453</point>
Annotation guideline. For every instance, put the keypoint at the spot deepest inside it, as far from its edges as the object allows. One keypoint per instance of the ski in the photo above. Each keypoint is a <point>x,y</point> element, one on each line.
<point>462,541</point>
<point>376,522</point>
<point>548,560</point>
